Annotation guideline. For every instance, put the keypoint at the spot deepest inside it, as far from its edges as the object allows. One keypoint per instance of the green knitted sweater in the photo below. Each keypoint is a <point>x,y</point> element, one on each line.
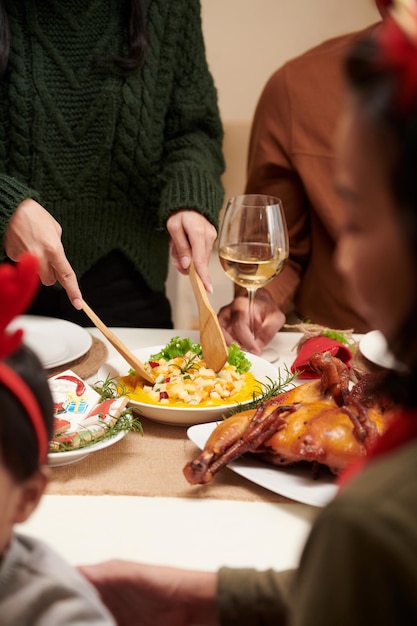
<point>109,157</point>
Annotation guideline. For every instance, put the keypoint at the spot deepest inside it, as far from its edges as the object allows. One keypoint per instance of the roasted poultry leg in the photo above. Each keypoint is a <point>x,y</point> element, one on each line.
<point>320,421</point>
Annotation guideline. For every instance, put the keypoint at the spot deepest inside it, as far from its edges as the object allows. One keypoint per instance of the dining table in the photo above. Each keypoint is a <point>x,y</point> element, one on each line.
<point>131,500</point>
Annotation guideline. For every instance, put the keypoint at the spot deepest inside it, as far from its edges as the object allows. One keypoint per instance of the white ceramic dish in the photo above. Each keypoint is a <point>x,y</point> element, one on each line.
<point>57,459</point>
<point>55,341</point>
<point>374,347</point>
<point>261,369</point>
<point>295,482</point>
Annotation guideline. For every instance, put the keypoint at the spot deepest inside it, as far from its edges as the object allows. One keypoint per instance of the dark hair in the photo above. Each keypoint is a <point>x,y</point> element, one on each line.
<point>375,88</point>
<point>18,444</point>
<point>135,25</point>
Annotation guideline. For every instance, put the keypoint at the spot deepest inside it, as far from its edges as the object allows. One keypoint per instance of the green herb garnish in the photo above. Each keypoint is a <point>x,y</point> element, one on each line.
<point>310,330</point>
<point>125,422</point>
<point>338,336</point>
<point>189,364</point>
<point>109,388</point>
<point>271,389</point>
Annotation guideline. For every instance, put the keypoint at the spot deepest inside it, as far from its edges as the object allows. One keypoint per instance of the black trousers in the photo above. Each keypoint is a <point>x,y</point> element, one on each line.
<point>115,291</point>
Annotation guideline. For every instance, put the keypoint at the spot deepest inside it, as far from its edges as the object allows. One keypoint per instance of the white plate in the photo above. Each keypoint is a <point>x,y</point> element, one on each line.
<point>295,482</point>
<point>261,369</point>
<point>56,459</point>
<point>374,347</point>
<point>55,341</point>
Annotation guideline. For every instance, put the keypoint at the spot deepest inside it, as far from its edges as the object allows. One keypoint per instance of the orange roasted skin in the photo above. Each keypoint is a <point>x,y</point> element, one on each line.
<point>323,422</point>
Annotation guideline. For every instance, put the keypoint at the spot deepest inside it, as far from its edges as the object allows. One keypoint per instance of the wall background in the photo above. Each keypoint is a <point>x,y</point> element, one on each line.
<point>246,41</point>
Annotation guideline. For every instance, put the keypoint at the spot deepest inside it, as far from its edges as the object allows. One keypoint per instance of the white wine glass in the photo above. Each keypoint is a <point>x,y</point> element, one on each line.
<point>253,243</point>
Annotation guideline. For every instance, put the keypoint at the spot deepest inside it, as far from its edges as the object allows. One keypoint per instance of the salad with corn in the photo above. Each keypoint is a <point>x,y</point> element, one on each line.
<point>182,378</point>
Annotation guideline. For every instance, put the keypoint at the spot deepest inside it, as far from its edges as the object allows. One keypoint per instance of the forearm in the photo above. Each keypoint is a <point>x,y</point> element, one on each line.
<point>12,193</point>
<point>252,598</point>
<point>158,595</point>
<point>199,596</point>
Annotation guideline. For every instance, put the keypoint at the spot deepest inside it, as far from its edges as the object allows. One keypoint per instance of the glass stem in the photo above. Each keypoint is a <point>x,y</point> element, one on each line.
<point>251,299</point>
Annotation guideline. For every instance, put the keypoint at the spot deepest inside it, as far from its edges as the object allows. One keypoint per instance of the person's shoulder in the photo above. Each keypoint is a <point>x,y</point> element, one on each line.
<point>34,569</point>
<point>33,553</point>
<point>387,486</point>
<point>333,45</point>
<point>320,63</point>
<point>329,51</point>
<point>318,67</point>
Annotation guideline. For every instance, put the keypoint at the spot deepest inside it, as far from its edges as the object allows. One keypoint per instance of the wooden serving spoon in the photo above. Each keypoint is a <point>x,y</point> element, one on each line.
<point>133,360</point>
<point>211,336</point>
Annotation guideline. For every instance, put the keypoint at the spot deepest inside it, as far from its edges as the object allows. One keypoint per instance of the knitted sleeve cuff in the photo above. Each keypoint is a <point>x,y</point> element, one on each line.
<point>192,188</point>
<point>247,596</point>
<point>12,193</point>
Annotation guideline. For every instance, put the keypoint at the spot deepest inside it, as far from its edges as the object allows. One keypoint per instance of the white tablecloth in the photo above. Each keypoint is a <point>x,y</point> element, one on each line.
<point>187,532</point>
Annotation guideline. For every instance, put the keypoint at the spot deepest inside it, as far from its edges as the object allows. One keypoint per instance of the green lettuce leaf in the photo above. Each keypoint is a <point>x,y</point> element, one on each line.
<point>179,347</point>
<point>238,359</point>
<point>176,347</point>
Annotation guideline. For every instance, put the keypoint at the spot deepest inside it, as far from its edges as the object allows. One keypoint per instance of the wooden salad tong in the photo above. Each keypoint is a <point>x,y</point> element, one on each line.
<point>133,360</point>
<point>212,340</point>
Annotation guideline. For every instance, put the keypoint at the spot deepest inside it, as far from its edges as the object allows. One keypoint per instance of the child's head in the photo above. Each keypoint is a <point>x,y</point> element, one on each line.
<point>26,406</point>
<point>376,175</point>
<point>19,446</point>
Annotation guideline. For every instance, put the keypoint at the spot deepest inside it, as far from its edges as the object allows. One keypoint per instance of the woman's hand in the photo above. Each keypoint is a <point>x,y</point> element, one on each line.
<point>33,229</point>
<point>153,595</point>
<point>268,319</point>
<point>192,237</point>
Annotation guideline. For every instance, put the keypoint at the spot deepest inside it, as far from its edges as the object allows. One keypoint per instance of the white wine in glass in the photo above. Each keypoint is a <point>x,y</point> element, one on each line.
<point>253,242</point>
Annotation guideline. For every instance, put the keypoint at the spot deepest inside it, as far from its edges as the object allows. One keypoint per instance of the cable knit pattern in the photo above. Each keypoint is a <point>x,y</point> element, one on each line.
<point>110,157</point>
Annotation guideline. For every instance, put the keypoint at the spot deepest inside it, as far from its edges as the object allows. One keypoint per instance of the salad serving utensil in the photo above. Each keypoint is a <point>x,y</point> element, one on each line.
<point>212,340</point>
<point>133,361</point>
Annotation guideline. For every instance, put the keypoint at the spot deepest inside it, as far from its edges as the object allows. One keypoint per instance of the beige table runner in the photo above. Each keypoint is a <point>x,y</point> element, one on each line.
<point>150,466</point>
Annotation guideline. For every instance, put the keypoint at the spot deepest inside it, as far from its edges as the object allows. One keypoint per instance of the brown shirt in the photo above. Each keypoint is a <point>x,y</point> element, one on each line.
<point>291,155</point>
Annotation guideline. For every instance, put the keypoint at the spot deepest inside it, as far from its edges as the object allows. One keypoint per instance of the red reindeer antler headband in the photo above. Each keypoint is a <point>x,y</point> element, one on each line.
<point>397,36</point>
<point>18,285</point>
<point>383,4</point>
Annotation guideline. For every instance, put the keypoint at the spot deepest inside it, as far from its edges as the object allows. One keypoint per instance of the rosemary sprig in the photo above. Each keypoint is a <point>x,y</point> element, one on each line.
<point>127,421</point>
<point>109,388</point>
<point>271,389</point>
<point>113,388</point>
<point>189,364</point>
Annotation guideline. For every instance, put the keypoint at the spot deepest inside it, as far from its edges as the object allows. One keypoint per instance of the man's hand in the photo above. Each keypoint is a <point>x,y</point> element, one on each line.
<point>268,319</point>
<point>153,595</point>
